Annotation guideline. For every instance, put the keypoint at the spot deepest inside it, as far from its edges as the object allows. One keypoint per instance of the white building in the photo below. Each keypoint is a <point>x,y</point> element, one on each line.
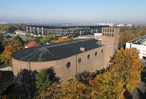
<point>20,32</point>
<point>120,25</point>
<point>130,25</point>
<point>140,44</point>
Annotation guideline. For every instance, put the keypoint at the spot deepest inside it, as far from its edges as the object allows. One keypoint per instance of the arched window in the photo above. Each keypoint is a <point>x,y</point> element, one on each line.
<point>79,60</point>
<point>95,53</point>
<point>102,51</point>
<point>88,56</point>
<point>68,64</point>
<point>107,34</point>
<point>110,30</point>
<point>112,35</point>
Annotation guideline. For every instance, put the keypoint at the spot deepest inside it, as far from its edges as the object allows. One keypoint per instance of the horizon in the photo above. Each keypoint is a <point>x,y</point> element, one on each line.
<point>75,11</point>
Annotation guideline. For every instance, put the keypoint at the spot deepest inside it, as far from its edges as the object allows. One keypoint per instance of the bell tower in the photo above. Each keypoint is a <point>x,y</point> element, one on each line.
<point>110,38</point>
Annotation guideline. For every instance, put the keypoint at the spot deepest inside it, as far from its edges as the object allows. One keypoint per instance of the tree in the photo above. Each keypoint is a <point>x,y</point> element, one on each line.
<point>14,45</point>
<point>44,79</point>
<point>70,89</point>
<point>5,28</point>
<point>46,39</point>
<point>127,65</point>
<point>62,39</point>
<point>121,78</point>
<point>105,87</point>
<point>84,77</point>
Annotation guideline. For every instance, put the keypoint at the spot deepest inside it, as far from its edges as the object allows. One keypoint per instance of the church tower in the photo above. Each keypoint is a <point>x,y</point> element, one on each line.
<point>110,38</point>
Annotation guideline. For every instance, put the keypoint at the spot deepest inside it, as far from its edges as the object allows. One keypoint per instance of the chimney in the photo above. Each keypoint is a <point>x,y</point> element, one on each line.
<point>82,49</point>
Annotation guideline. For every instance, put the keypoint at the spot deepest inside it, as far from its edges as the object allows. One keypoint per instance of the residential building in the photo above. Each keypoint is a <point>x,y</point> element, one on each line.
<point>140,44</point>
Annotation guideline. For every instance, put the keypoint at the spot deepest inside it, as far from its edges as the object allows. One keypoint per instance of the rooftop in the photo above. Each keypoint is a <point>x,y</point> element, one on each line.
<point>32,44</point>
<point>140,40</point>
<point>56,51</point>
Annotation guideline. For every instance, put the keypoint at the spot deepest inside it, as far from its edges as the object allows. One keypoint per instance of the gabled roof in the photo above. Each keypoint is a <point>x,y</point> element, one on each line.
<point>56,51</point>
<point>31,44</point>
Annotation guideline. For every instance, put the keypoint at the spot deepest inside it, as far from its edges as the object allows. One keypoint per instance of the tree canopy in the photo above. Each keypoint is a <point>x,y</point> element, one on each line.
<point>14,45</point>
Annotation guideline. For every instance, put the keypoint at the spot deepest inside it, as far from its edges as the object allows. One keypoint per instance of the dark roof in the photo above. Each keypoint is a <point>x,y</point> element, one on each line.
<point>55,51</point>
<point>139,40</point>
<point>60,26</point>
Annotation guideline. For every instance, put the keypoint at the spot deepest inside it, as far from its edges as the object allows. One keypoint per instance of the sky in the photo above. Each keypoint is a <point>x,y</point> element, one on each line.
<point>73,11</point>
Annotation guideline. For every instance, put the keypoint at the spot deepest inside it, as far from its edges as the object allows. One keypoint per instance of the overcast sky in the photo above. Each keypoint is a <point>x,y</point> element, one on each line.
<point>73,11</point>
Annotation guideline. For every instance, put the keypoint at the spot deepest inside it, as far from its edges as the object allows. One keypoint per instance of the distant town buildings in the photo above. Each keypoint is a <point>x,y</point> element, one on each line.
<point>140,44</point>
<point>119,25</point>
<point>109,24</point>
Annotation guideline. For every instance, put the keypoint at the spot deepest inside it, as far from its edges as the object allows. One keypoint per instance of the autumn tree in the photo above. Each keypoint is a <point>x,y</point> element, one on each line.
<point>14,45</point>
<point>122,77</point>
<point>67,38</point>
<point>105,87</point>
<point>127,66</point>
<point>70,89</point>
<point>129,33</point>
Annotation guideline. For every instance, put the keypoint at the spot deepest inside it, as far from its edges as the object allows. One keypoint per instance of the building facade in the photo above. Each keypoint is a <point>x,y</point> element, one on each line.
<point>64,30</point>
<point>110,38</point>
<point>140,44</point>
<point>66,59</point>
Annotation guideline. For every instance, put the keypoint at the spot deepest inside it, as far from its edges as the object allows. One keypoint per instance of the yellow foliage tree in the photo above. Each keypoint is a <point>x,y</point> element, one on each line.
<point>121,78</point>
<point>105,87</point>
<point>127,66</point>
<point>14,45</point>
<point>70,89</point>
<point>67,38</point>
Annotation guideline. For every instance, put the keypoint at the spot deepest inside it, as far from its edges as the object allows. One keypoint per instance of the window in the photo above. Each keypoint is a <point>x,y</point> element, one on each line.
<point>112,35</point>
<point>68,64</point>
<point>102,51</point>
<point>88,56</point>
<point>107,34</point>
<point>79,60</point>
<point>102,34</point>
<point>110,30</point>
<point>95,53</point>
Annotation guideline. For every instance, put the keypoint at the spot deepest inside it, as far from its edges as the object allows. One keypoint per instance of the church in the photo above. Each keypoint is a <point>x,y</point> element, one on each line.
<point>69,58</point>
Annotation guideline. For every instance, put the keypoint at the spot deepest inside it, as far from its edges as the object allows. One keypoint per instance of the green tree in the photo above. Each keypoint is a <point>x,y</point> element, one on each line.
<point>46,39</point>
<point>42,81</point>
<point>5,28</point>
